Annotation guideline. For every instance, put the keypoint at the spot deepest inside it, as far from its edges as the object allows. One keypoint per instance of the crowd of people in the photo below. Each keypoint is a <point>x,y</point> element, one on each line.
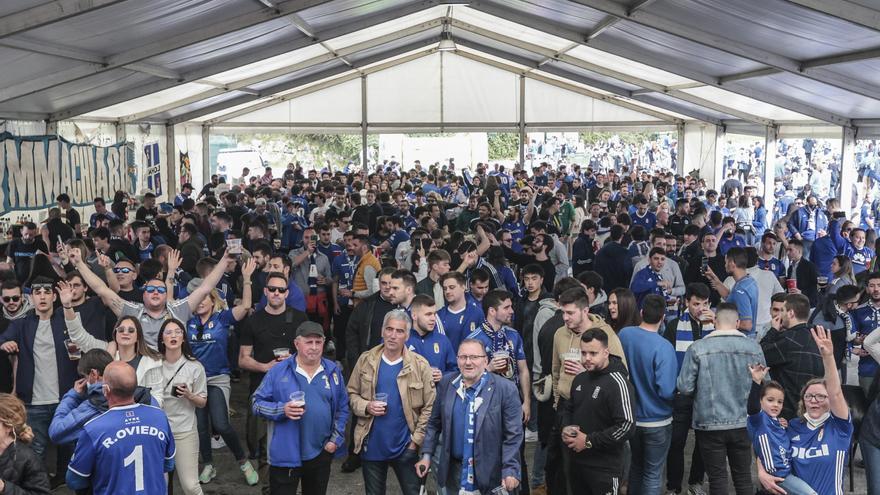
<point>434,321</point>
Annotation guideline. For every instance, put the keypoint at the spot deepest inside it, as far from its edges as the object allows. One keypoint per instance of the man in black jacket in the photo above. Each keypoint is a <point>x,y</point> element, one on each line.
<point>598,419</point>
<point>791,352</point>
<point>613,261</point>
<point>803,272</point>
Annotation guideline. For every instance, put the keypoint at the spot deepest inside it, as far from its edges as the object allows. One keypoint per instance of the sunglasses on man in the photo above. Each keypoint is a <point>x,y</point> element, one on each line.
<point>153,288</point>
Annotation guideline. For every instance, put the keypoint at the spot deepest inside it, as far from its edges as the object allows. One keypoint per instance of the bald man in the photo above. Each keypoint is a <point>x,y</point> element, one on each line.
<point>127,449</point>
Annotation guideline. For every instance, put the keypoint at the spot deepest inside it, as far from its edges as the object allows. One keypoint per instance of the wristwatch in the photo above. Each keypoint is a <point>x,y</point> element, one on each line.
<point>587,443</point>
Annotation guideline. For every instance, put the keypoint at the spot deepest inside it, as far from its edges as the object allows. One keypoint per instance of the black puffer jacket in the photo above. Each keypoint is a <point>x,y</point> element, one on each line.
<point>22,471</point>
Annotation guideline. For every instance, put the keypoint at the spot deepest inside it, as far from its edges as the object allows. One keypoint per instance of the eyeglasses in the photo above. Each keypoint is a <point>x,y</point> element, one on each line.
<point>173,331</point>
<point>475,357</point>
<point>815,397</point>
<point>277,290</point>
<point>123,270</point>
<point>11,298</point>
<point>154,288</point>
<point>126,330</point>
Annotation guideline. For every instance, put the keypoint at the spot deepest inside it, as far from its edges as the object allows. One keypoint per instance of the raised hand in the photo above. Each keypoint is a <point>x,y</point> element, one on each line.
<point>104,260</point>
<point>65,293</point>
<point>822,338</point>
<point>247,269</point>
<point>173,261</point>
<point>758,371</point>
<point>74,255</point>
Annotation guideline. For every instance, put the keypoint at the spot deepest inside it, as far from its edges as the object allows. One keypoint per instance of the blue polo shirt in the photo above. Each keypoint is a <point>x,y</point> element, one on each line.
<point>316,424</point>
<point>435,348</point>
<point>389,436</point>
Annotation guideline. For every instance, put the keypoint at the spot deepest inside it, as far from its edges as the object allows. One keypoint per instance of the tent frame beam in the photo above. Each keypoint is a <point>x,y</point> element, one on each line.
<point>711,40</point>
<point>533,22</point>
<point>251,56</point>
<point>49,13</point>
<point>844,9</point>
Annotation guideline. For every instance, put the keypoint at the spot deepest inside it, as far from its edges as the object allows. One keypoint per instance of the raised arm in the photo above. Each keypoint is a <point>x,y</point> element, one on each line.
<point>839,406</point>
<point>75,329</point>
<point>107,265</point>
<point>241,310</point>
<point>208,284</point>
<point>110,298</point>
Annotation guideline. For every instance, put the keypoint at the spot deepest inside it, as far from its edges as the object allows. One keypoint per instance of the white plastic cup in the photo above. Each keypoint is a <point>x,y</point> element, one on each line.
<point>298,398</point>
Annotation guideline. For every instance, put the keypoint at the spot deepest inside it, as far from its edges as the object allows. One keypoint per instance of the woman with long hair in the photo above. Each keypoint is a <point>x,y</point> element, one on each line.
<point>120,205</point>
<point>184,388</point>
<point>208,335</point>
<point>623,311</point>
<point>842,273</point>
<point>21,471</point>
<point>128,343</point>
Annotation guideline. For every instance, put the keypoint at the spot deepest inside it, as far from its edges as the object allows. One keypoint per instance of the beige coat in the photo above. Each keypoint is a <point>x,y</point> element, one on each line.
<point>563,340</point>
<point>416,386</point>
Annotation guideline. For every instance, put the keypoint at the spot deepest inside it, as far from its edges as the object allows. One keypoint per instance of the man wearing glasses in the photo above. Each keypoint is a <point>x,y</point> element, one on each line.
<point>156,307</point>
<point>266,340</point>
<point>479,454</point>
<point>45,372</point>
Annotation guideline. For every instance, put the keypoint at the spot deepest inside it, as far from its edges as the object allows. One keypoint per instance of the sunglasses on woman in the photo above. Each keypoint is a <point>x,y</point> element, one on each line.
<point>121,329</point>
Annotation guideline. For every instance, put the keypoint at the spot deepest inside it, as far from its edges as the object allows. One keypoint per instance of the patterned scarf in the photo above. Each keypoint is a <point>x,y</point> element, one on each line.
<point>313,275</point>
<point>500,343</point>
<point>472,402</point>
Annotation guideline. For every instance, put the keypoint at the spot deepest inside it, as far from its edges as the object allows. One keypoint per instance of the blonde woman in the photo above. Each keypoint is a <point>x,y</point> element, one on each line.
<point>128,344</point>
<point>21,471</point>
<point>184,389</point>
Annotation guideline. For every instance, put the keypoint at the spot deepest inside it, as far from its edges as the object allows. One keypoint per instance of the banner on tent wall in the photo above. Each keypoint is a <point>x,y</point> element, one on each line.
<point>185,170</point>
<point>153,173</point>
<point>34,170</point>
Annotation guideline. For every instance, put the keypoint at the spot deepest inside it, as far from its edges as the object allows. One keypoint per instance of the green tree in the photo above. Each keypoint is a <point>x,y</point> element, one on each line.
<point>503,146</point>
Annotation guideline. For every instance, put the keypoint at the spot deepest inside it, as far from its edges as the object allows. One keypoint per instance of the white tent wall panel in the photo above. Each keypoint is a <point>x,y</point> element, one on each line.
<point>547,103</point>
<point>23,127</point>
<point>699,150</point>
<point>409,92</point>
<point>475,92</point>
<point>96,133</point>
<point>809,131</point>
<point>188,139</point>
<point>341,103</point>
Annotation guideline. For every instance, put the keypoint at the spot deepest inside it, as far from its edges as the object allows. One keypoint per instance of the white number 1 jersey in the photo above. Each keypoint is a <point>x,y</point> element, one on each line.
<point>125,450</point>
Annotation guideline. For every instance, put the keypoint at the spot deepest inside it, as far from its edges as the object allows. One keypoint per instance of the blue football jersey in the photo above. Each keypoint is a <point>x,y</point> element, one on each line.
<point>125,450</point>
<point>457,326</point>
<point>819,456</point>
<point>770,442</point>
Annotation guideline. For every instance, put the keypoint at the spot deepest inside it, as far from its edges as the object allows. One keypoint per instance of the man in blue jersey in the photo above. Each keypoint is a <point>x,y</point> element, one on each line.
<point>767,259</point>
<point>641,215</point>
<point>695,323</point>
<point>129,448</point>
<point>305,400</point>
<point>865,320</point>
<point>343,268</point>
<point>461,315</point>
<point>428,342</point>
<point>653,374</point>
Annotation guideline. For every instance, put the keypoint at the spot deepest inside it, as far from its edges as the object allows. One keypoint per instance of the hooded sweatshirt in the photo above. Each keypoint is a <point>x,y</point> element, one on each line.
<point>76,410</point>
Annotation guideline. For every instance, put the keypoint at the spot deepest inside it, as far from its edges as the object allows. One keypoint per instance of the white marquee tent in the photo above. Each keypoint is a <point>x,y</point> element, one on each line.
<point>174,70</point>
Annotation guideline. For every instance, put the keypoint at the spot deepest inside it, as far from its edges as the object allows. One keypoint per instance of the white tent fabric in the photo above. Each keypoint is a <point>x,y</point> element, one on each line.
<point>340,103</point>
<point>176,61</point>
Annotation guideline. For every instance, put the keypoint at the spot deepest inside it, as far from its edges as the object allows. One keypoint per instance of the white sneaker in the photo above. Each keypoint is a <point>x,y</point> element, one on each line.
<point>217,442</point>
<point>208,473</point>
<point>531,436</point>
<point>696,490</point>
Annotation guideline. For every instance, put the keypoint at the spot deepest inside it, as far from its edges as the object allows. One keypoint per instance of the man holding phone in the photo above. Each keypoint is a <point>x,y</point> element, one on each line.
<point>314,276</point>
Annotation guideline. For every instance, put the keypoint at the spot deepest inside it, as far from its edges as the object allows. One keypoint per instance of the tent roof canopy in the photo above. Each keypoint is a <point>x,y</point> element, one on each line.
<point>737,62</point>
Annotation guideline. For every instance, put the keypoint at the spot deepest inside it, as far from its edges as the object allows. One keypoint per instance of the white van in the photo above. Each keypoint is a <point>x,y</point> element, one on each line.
<point>231,162</point>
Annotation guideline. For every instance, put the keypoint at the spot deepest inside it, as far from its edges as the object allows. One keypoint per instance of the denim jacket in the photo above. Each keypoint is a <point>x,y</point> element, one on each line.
<point>716,372</point>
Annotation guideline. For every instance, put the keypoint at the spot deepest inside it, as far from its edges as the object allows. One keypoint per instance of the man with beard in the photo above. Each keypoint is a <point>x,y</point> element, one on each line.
<point>15,306</point>
<point>426,341</point>
<point>866,319</point>
<point>601,407</point>
<point>808,223</point>
<point>21,251</point>
<point>709,258</point>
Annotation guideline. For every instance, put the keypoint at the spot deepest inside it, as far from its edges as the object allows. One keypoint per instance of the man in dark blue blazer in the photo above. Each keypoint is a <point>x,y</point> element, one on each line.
<point>479,416</point>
